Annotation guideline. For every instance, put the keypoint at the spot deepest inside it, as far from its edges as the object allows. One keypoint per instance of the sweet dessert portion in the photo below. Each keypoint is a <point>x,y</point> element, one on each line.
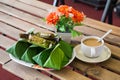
<point>44,49</point>
<point>45,40</point>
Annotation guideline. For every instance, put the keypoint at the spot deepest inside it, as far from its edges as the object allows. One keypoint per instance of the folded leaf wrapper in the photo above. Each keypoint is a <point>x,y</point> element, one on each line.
<point>66,48</point>
<point>30,52</point>
<point>18,49</point>
<point>55,57</point>
<point>42,57</point>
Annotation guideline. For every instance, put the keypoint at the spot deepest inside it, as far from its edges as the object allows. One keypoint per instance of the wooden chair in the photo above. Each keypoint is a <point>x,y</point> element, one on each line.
<point>107,13</point>
<point>55,3</point>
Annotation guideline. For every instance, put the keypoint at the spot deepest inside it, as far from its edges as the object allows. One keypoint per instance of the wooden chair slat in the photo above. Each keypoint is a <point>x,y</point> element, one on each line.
<point>25,72</point>
<point>113,39</point>
<point>94,71</point>
<point>109,65</point>
<point>24,16</point>
<point>4,57</point>
<point>6,42</point>
<point>102,26</point>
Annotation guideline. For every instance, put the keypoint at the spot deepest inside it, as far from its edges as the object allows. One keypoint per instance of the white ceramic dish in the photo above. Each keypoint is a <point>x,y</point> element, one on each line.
<point>36,66</point>
<point>103,57</point>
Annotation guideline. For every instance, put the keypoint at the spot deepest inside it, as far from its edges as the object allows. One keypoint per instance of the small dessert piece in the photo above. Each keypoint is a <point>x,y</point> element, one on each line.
<point>45,40</point>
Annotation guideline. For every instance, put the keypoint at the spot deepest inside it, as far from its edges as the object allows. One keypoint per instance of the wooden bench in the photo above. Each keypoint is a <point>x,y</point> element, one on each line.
<point>17,16</point>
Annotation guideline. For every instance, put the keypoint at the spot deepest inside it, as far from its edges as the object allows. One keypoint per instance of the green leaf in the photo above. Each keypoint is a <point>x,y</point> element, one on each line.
<point>75,33</point>
<point>62,28</point>
<point>65,61</point>
<point>55,59</point>
<point>42,56</point>
<point>78,24</point>
<point>44,19</point>
<point>66,48</point>
<point>18,49</point>
<point>30,31</point>
<point>64,24</point>
<point>30,52</point>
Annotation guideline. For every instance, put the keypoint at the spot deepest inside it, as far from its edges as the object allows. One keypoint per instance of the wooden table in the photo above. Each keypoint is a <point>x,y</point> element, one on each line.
<point>17,16</point>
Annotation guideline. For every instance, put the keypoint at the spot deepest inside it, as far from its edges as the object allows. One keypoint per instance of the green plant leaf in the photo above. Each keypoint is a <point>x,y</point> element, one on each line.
<point>30,31</point>
<point>30,52</point>
<point>75,33</point>
<point>78,24</point>
<point>62,28</point>
<point>18,49</point>
<point>64,24</point>
<point>55,59</point>
<point>42,57</point>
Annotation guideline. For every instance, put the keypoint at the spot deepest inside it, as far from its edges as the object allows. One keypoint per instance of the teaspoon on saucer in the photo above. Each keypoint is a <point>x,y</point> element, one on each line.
<point>108,32</point>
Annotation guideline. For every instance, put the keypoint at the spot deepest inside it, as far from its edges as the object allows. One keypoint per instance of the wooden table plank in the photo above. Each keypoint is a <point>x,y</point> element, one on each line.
<point>9,30</point>
<point>27,8</point>
<point>101,26</point>
<point>22,25</point>
<point>115,50</point>
<point>102,74</point>
<point>95,71</point>
<point>39,4</point>
<point>24,16</point>
<point>4,57</point>
<point>109,65</point>
<point>113,39</point>
<point>67,74</point>
<point>6,42</point>
<point>25,72</point>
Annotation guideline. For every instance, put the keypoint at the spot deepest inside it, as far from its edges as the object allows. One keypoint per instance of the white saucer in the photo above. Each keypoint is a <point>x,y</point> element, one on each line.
<point>104,56</point>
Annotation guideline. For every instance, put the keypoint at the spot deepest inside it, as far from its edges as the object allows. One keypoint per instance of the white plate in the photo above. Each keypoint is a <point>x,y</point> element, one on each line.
<point>36,66</point>
<point>104,55</point>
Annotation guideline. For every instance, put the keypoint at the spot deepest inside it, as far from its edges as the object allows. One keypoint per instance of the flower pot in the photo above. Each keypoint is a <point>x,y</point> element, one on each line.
<point>65,36</point>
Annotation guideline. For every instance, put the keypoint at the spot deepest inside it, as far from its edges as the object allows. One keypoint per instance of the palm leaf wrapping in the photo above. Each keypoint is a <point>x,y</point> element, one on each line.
<point>44,51</point>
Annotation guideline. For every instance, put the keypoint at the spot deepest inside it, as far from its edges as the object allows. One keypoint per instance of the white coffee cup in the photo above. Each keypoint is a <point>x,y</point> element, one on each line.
<point>92,50</point>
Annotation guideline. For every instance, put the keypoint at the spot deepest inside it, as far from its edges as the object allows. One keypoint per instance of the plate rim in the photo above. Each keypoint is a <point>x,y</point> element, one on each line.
<point>90,61</point>
<point>36,66</point>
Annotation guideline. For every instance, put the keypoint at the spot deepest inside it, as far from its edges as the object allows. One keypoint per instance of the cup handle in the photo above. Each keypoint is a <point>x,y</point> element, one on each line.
<point>93,52</point>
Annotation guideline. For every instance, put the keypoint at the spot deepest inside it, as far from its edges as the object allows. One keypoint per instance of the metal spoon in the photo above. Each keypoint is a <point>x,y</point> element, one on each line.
<point>104,35</point>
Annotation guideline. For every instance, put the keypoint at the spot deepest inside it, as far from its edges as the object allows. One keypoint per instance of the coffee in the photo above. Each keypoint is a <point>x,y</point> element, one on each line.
<point>92,42</point>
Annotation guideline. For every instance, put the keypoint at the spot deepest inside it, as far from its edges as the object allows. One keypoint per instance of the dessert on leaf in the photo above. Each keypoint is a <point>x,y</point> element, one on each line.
<point>44,49</point>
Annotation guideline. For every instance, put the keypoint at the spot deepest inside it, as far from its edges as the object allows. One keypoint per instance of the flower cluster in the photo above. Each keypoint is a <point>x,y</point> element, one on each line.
<point>65,18</point>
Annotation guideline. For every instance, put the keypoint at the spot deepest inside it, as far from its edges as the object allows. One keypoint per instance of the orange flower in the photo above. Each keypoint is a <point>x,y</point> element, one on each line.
<point>78,17</point>
<point>52,18</point>
<point>65,18</point>
<point>64,10</point>
<point>71,12</point>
